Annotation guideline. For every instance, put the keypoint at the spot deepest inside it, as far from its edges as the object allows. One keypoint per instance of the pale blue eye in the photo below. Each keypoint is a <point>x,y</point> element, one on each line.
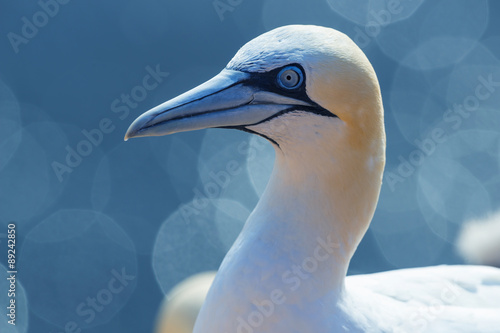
<point>290,77</point>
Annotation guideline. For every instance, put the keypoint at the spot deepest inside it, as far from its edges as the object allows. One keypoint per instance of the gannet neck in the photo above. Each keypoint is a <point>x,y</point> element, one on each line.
<point>323,189</point>
<point>302,234</point>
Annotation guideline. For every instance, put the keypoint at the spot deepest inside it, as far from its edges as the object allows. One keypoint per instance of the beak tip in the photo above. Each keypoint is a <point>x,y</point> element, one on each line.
<point>136,127</point>
<point>132,132</point>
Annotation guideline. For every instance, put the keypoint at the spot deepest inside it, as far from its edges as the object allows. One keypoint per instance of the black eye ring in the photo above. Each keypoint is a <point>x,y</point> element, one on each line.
<point>290,77</point>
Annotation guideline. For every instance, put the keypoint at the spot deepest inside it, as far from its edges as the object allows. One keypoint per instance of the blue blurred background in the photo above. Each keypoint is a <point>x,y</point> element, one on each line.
<point>106,227</point>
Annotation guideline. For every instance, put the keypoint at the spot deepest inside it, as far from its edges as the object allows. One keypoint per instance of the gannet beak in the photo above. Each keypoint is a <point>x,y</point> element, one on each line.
<point>232,99</point>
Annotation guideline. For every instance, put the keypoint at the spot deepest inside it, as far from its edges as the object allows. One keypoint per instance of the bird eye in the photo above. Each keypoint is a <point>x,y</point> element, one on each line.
<point>290,77</point>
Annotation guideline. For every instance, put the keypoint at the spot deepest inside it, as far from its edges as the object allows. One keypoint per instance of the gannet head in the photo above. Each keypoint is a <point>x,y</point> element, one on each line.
<point>312,93</point>
<point>295,85</point>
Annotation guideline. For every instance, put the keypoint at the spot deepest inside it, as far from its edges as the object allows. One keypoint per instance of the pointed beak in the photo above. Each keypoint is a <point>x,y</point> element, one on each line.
<point>231,99</point>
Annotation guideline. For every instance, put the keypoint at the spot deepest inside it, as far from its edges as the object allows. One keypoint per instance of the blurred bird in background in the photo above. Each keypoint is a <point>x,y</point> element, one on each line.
<point>183,303</point>
<point>479,240</point>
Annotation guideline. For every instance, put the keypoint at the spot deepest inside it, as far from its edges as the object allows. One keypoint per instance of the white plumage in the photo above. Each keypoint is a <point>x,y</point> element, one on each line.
<point>314,95</point>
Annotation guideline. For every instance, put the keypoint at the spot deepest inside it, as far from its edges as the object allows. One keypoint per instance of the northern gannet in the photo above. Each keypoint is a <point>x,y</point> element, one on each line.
<point>314,95</point>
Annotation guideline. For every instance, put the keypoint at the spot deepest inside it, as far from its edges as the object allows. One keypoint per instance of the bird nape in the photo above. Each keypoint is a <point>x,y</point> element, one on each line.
<point>315,96</point>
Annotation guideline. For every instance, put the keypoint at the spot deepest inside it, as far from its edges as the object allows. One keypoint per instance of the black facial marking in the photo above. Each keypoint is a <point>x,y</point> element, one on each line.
<point>268,81</point>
